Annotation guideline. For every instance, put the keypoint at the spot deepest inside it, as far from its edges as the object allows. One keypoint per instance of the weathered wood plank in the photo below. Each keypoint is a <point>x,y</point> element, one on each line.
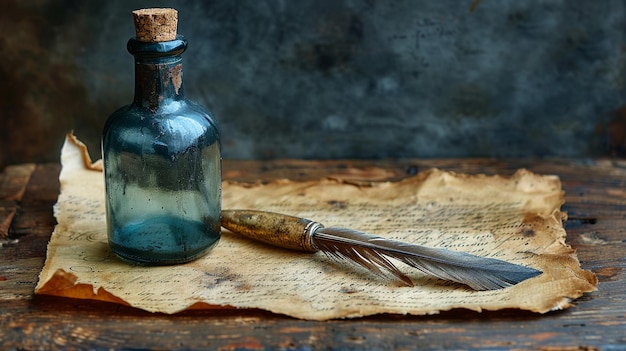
<point>13,181</point>
<point>54,323</point>
<point>30,230</point>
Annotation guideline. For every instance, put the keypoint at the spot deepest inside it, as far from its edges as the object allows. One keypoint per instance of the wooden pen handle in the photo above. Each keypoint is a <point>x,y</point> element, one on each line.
<point>272,228</point>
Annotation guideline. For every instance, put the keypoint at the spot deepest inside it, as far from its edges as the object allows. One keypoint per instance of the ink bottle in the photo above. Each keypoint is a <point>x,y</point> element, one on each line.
<point>162,156</point>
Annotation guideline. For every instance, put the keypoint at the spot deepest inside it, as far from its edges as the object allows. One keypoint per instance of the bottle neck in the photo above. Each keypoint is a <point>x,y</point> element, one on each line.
<point>158,73</point>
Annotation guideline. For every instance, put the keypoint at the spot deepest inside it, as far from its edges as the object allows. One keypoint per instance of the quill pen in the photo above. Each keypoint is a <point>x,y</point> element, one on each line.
<point>374,252</point>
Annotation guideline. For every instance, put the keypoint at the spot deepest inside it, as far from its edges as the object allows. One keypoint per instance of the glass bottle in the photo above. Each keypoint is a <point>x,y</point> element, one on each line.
<point>162,163</point>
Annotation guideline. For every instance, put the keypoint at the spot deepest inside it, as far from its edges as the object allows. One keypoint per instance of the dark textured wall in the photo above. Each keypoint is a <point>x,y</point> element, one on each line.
<point>329,79</point>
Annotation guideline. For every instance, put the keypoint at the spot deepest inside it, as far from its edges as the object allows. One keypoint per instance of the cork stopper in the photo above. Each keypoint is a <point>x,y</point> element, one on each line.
<point>155,24</point>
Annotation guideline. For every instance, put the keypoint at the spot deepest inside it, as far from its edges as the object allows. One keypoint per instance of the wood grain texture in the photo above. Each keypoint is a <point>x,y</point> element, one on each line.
<point>595,202</point>
<point>13,181</point>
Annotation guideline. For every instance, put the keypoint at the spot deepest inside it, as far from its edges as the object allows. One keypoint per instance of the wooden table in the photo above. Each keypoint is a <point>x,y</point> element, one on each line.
<point>595,202</point>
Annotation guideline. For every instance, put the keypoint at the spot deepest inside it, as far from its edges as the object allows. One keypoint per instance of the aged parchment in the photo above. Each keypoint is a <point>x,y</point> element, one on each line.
<point>516,219</point>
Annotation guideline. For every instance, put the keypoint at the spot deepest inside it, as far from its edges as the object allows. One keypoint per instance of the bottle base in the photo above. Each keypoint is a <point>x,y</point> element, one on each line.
<point>140,259</point>
<point>162,241</point>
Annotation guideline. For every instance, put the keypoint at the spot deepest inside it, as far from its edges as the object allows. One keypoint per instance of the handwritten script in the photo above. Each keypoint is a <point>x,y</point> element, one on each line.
<point>516,218</point>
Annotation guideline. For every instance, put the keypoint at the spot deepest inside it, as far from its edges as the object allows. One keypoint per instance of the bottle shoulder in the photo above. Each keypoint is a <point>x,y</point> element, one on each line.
<point>179,112</point>
<point>133,128</point>
<point>204,112</point>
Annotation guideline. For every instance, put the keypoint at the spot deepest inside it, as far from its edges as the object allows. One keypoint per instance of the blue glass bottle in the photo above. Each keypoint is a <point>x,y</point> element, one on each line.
<point>162,165</point>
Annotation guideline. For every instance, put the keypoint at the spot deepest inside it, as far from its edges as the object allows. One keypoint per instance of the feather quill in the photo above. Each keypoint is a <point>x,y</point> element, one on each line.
<point>375,253</point>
